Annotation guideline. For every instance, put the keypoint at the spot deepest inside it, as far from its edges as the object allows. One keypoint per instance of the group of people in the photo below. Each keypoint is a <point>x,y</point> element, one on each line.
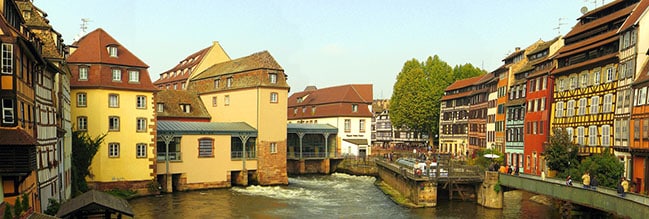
<point>507,169</point>
<point>590,182</point>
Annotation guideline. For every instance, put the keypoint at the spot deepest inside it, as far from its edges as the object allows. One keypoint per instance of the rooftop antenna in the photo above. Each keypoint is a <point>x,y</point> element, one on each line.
<point>84,27</point>
<point>558,28</point>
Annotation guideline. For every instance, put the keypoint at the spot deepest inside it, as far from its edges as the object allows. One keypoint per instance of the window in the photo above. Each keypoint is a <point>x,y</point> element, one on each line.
<point>8,111</point>
<point>273,148</point>
<point>113,150</point>
<point>216,83</point>
<point>594,105</point>
<point>348,125</point>
<point>133,76</point>
<point>584,80</point>
<point>7,58</point>
<point>354,108</point>
<point>82,123</point>
<point>559,109</point>
<point>273,97</point>
<point>83,73</point>
<point>228,82</point>
<point>570,132</point>
<point>117,75</point>
<point>226,100</point>
<point>596,77</point>
<point>214,101</point>
<point>574,82</point>
<point>205,147</point>
<point>610,74</point>
<point>545,82</point>
<point>113,100</point>
<point>161,107</point>
<point>606,106</point>
<point>140,102</point>
<point>582,106</point>
<point>272,77</point>
<point>606,135</point>
<point>580,135</point>
<point>140,150</point>
<point>141,125</point>
<point>643,96</point>
<point>541,127</point>
<point>183,86</point>
<point>542,104</point>
<point>186,108</point>
<point>82,99</point>
<point>571,108</point>
<point>113,123</point>
<point>361,125</point>
<point>592,135</point>
<point>645,129</point>
<point>560,85</point>
<point>112,51</point>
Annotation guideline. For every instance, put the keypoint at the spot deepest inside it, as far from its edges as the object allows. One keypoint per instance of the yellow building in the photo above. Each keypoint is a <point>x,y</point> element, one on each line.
<point>253,90</point>
<point>113,95</point>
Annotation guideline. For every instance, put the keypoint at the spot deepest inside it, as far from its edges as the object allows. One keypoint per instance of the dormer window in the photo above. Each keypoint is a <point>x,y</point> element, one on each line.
<point>354,108</point>
<point>112,50</point>
<point>272,77</point>
<point>117,75</point>
<point>83,73</point>
<point>186,108</point>
<point>161,107</point>
<point>229,82</point>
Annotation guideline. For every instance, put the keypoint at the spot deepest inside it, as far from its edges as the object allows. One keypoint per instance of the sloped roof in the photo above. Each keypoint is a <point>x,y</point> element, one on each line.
<point>16,136</point>
<point>634,16</point>
<point>172,100</point>
<point>513,54</point>
<point>356,141</point>
<point>92,48</point>
<point>463,83</point>
<point>485,78</point>
<point>95,202</point>
<point>543,46</point>
<point>188,63</point>
<point>101,76</point>
<point>310,128</point>
<point>644,74</point>
<point>581,28</point>
<point>260,60</point>
<point>232,128</point>
<point>457,95</point>
<point>332,101</point>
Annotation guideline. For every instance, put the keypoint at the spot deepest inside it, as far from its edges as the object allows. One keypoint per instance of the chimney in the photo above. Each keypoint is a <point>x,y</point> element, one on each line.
<point>310,88</point>
<point>518,49</point>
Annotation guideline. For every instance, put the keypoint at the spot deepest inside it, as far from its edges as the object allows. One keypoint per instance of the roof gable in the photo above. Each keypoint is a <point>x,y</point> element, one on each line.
<point>352,93</point>
<point>92,48</point>
<point>463,83</point>
<point>260,60</point>
<point>172,99</point>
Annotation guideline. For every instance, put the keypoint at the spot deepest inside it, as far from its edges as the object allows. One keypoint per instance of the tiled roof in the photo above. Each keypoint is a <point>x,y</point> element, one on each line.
<point>528,67</point>
<point>260,60</point>
<point>513,54</point>
<point>583,64</point>
<point>172,100</point>
<point>634,16</point>
<point>32,14</point>
<point>543,46</point>
<point>15,136</point>
<point>332,101</point>
<point>92,51</point>
<point>486,78</point>
<point>40,26</point>
<point>581,28</point>
<point>232,128</point>
<point>310,128</point>
<point>463,83</point>
<point>92,48</point>
<point>95,201</point>
<point>644,74</point>
<point>185,68</point>
<point>455,96</point>
<point>598,9</point>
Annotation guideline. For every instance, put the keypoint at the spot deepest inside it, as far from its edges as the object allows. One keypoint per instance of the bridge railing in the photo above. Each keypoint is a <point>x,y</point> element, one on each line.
<point>442,171</point>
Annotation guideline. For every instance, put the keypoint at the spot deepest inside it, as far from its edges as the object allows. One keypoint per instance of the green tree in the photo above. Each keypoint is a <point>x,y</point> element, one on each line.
<point>25,202</point>
<point>561,153</point>
<point>466,71</point>
<point>18,207</point>
<point>606,168</point>
<point>417,92</point>
<point>52,207</point>
<point>84,149</point>
<point>484,162</point>
<point>7,214</point>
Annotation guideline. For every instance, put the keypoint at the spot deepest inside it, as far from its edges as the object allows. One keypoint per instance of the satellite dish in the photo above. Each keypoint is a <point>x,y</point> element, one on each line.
<point>583,10</point>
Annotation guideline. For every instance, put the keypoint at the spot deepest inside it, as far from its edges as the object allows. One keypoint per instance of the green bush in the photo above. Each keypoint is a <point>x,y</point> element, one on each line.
<point>52,207</point>
<point>7,214</point>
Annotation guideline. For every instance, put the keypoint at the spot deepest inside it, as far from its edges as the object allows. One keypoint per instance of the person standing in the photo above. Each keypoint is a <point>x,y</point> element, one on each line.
<point>585,180</point>
<point>569,181</point>
<point>625,186</point>
<point>593,183</point>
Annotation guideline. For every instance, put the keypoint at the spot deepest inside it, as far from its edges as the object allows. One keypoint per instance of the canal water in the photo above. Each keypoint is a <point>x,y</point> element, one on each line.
<point>322,196</point>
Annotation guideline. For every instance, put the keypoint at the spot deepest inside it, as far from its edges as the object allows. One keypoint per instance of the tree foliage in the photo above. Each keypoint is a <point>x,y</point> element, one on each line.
<point>561,153</point>
<point>484,162</point>
<point>417,93</point>
<point>84,149</point>
<point>605,167</point>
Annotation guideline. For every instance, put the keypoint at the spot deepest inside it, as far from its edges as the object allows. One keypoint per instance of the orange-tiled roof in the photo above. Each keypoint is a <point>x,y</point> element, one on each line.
<point>581,28</point>
<point>92,48</point>
<point>92,52</point>
<point>485,78</point>
<point>634,16</point>
<point>598,9</point>
<point>463,83</point>
<point>185,67</point>
<point>172,100</point>
<point>457,95</point>
<point>332,101</point>
<point>260,60</point>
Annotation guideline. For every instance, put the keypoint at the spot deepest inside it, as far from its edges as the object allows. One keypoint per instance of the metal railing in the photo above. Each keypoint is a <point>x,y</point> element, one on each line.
<point>173,156</point>
<point>239,155</point>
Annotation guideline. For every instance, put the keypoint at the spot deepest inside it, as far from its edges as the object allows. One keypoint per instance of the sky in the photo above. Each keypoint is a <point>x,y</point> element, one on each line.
<point>323,43</point>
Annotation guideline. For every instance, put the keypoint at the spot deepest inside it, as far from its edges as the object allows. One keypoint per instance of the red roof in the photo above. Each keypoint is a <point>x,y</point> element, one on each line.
<point>92,48</point>
<point>185,67</point>
<point>92,52</point>
<point>463,83</point>
<point>332,101</point>
<point>582,28</point>
<point>15,136</point>
<point>634,16</point>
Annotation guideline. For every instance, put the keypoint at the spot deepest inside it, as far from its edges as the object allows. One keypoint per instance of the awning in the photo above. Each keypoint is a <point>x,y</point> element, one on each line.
<point>357,141</point>
<point>94,202</point>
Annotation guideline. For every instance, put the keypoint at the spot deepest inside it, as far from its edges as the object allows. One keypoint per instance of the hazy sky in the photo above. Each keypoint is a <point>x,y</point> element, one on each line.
<point>323,43</point>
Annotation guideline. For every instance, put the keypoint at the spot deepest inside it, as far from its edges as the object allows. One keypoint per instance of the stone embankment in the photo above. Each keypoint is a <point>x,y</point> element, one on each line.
<point>358,166</point>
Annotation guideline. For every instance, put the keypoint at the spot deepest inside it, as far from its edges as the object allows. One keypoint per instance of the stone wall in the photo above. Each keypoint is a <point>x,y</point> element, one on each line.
<point>487,194</point>
<point>421,193</point>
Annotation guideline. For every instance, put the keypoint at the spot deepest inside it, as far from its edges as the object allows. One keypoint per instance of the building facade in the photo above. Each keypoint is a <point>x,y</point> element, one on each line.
<point>176,78</point>
<point>454,117</point>
<point>113,95</point>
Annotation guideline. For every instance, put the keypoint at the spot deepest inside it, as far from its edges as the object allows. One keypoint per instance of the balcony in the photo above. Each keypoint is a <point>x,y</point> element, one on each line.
<point>239,155</point>
<point>20,160</point>
<point>173,156</point>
